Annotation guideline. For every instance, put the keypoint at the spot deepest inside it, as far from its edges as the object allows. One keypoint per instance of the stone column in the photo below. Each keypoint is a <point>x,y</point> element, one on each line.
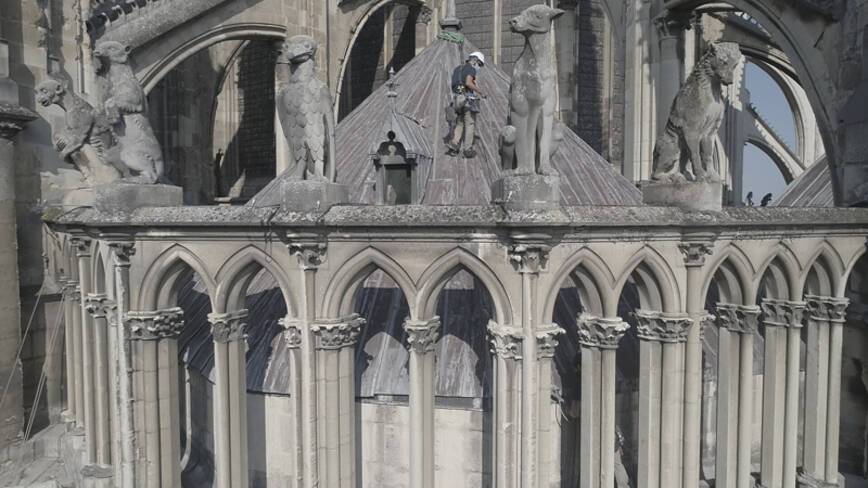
<point>738,324</point>
<point>69,287</point>
<point>506,348</point>
<point>230,398</point>
<point>422,336</point>
<point>83,258</point>
<point>126,473</point>
<point>78,354</point>
<point>98,305</point>
<point>780,374</point>
<point>546,339</point>
<point>292,335</point>
<point>529,256</point>
<point>694,258</point>
<point>661,382</point>
<point>423,22</point>
<point>822,390</point>
<point>599,340</point>
<point>335,340</point>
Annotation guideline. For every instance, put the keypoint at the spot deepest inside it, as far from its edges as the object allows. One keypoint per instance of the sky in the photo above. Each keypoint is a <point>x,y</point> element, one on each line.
<point>761,175</point>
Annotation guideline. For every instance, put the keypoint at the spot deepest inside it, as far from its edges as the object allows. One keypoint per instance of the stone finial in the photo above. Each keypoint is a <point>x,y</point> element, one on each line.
<point>595,332</point>
<point>782,313</point>
<point>695,252</point>
<point>741,319</point>
<point>337,333</point>
<point>422,335</point>
<point>546,340</point>
<point>155,325</point>
<point>228,327</point>
<point>827,308</point>
<point>505,341</point>
<point>661,327</point>
<point>695,118</point>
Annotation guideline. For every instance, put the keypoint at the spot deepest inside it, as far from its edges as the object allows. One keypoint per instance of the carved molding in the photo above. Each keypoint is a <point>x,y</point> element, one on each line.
<point>155,325</point>
<point>547,341</point>
<point>98,305</point>
<point>741,319</point>
<point>695,252</point>
<point>596,332</point>
<point>505,341</point>
<point>783,313</point>
<point>228,327</point>
<point>827,308</point>
<point>310,254</point>
<point>337,333</point>
<point>422,335</point>
<point>661,327</point>
<point>291,332</point>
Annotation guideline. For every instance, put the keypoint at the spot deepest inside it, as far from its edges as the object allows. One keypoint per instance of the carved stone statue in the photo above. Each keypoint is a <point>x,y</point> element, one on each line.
<point>304,106</point>
<point>85,138</point>
<point>531,93</point>
<point>695,118</point>
<point>126,109</point>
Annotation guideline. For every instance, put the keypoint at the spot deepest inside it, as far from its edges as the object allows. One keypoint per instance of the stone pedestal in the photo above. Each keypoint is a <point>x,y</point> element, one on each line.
<point>126,197</point>
<point>526,191</point>
<point>689,195</point>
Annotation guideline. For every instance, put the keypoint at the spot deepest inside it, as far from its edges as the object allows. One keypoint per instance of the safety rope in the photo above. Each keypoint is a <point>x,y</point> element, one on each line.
<point>21,345</point>
<point>44,375</point>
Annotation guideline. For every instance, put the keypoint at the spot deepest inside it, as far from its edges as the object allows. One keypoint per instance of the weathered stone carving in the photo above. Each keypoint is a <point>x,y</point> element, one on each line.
<point>337,333</point>
<point>228,327</point>
<point>304,107</point>
<point>827,308</point>
<point>422,334</point>
<point>529,257</point>
<point>547,340</point>
<point>660,327</point>
<point>126,109</point>
<point>600,333</point>
<point>153,326</point>
<point>695,118</point>
<point>532,96</point>
<point>741,319</point>
<point>85,138</point>
<point>291,332</point>
<point>695,252</point>
<point>782,313</point>
<point>505,341</point>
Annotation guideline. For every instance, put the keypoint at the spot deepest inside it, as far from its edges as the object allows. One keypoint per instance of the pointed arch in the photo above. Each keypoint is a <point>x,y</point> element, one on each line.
<point>658,286</point>
<point>238,272</point>
<point>595,278</point>
<point>350,275</point>
<point>782,268</point>
<point>445,267</point>
<point>848,271</point>
<point>823,272</point>
<point>159,287</point>
<point>735,275</point>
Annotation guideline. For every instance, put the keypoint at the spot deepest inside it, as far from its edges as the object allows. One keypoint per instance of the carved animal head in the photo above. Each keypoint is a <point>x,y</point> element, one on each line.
<point>535,19</point>
<point>296,50</point>
<point>110,52</point>
<point>50,91</point>
<point>723,58</point>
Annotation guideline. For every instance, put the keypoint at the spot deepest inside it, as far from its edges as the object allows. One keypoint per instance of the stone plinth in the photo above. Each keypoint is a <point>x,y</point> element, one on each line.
<point>308,195</point>
<point>125,197</point>
<point>526,191</point>
<point>689,195</point>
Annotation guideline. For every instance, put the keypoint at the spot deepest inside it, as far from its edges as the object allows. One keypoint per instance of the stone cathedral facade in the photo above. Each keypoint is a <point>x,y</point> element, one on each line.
<point>240,254</point>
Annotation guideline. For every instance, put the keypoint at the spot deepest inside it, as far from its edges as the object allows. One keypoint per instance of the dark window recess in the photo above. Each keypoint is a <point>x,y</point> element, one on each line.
<point>399,181</point>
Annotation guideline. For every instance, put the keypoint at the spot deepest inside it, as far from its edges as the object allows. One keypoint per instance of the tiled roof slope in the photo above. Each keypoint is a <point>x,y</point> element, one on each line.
<point>813,188</point>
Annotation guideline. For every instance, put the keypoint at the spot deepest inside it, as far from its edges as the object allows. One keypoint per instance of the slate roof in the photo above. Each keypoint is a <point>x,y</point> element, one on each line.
<point>423,93</point>
<point>813,188</point>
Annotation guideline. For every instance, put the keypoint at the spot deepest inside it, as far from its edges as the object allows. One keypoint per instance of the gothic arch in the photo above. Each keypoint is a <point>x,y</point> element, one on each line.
<point>444,268</point>
<point>161,279</point>
<point>658,286</point>
<point>784,269</point>
<point>734,275</point>
<point>597,282</point>
<point>238,272</point>
<point>823,275</point>
<point>352,273</point>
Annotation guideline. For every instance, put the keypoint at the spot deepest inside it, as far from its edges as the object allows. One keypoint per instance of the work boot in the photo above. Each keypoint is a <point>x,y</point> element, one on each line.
<point>451,149</point>
<point>469,153</point>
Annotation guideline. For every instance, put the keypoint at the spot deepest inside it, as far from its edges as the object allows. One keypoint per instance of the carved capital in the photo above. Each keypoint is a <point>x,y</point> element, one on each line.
<point>827,308</point>
<point>98,305</point>
<point>123,251</point>
<point>695,252</point>
<point>156,325</point>
<point>600,333</point>
<point>505,341</point>
<point>310,254</point>
<point>547,340</point>
<point>337,333</point>
<point>82,246</point>
<point>661,327</point>
<point>782,313</point>
<point>74,291</point>
<point>422,335</point>
<point>228,327</point>
<point>741,319</point>
<point>529,257</point>
<point>291,332</point>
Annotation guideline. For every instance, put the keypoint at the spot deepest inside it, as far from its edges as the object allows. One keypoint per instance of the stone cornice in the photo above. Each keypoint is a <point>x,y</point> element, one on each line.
<point>596,332</point>
<point>291,331</point>
<point>505,341</point>
<point>547,340</point>
<point>422,335</point>
<point>155,325</point>
<point>228,327</point>
<point>661,327</point>
<point>782,313</point>
<point>337,333</point>
<point>827,308</point>
<point>741,319</point>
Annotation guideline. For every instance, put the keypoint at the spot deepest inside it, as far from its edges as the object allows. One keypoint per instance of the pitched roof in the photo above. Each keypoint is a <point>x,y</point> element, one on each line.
<point>423,93</point>
<point>813,188</point>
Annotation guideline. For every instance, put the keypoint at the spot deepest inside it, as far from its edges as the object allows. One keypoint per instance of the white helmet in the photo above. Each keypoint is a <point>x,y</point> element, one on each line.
<point>478,55</point>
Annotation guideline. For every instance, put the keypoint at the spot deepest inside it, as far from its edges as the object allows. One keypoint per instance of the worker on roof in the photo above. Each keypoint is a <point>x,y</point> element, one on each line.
<point>465,103</point>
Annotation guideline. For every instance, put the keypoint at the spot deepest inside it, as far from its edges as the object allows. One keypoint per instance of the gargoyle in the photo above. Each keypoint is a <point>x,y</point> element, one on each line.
<point>85,138</point>
<point>304,106</point>
<point>126,109</point>
<point>695,118</point>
